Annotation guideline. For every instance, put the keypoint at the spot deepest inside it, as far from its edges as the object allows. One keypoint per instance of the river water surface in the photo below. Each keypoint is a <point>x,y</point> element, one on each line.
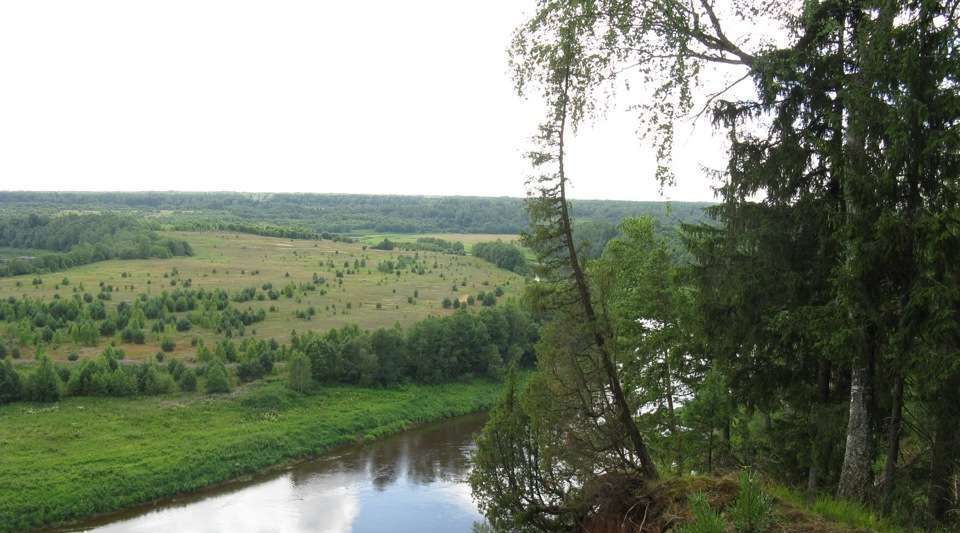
<point>412,481</point>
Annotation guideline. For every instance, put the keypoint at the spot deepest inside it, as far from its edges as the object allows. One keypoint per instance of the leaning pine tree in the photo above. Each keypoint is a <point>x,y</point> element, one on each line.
<point>552,445</point>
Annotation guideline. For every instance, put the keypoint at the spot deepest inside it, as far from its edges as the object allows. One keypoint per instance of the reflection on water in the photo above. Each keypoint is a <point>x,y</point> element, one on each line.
<point>413,481</point>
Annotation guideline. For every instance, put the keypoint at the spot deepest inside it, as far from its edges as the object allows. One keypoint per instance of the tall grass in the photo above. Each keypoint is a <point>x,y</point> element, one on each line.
<point>705,519</point>
<point>843,512</point>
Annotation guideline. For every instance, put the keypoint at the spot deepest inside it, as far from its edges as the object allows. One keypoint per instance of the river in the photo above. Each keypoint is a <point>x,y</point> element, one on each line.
<point>411,481</point>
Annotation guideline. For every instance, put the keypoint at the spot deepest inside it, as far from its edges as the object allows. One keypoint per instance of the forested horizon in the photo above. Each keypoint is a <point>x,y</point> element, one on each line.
<point>343,213</point>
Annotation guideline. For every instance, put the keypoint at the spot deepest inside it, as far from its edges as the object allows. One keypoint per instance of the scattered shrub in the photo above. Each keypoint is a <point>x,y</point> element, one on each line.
<point>11,389</point>
<point>153,381</point>
<point>188,380</point>
<point>119,382</point>
<point>218,381</point>
<point>751,511</point>
<point>84,381</point>
<point>255,367</point>
<point>45,384</point>
<point>299,372</point>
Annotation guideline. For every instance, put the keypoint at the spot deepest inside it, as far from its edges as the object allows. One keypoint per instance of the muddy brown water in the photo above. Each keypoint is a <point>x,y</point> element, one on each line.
<point>411,481</point>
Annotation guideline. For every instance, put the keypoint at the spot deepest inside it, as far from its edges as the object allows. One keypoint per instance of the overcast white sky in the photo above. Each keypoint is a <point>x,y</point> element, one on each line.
<point>294,96</point>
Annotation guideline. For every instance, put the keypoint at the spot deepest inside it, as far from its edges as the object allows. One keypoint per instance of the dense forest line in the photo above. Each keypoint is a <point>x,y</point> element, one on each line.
<point>341,213</point>
<point>810,338</point>
<point>70,240</point>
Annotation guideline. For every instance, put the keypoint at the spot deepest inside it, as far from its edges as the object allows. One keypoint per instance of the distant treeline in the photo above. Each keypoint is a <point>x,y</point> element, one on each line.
<point>349,213</point>
<point>79,239</point>
<point>266,230</point>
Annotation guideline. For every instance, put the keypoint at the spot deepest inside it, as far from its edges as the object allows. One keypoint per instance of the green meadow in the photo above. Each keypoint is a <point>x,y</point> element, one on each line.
<point>87,455</point>
<point>362,295</point>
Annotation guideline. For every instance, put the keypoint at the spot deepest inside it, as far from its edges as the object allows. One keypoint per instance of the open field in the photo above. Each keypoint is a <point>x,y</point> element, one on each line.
<point>361,294</point>
<point>86,455</point>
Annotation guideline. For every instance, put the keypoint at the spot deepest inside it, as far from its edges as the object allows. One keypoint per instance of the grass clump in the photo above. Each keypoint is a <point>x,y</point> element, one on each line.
<point>705,519</point>
<point>846,513</point>
<point>750,512</point>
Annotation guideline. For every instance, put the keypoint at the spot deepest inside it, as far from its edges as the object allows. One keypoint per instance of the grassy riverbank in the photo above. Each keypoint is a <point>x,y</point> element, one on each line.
<point>86,455</point>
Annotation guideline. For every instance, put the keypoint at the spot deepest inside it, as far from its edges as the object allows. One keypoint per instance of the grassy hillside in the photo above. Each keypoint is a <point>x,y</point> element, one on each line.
<point>364,295</point>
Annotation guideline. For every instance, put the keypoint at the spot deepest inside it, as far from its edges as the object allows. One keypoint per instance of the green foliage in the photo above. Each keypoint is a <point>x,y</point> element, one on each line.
<point>187,381</point>
<point>202,441</point>
<point>299,374</point>
<point>502,254</point>
<point>312,215</point>
<point>81,239</point>
<point>119,382</point>
<point>705,519</point>
<point>44,385</point>
<point>751,511</point>
<point>488,299</point>
<point>255,365</point>
<point>218,380</point>
<point>385,244</point>
<point>592,236</point>
<point>152,381</point>
<point>83,381</point>
<point>433,244</point>
<point>504,482</point>
<point>829,280</point>
<point>850,514</point>
<point>11,388</point>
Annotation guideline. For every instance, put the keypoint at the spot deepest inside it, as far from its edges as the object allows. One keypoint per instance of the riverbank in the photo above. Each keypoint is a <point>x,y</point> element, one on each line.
<point>86,456</point>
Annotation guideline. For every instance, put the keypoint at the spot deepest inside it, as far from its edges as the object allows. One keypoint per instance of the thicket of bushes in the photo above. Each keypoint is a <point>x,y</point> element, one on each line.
<point>431,351</point>
<point>502,254</point>
<point>433,244</point>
